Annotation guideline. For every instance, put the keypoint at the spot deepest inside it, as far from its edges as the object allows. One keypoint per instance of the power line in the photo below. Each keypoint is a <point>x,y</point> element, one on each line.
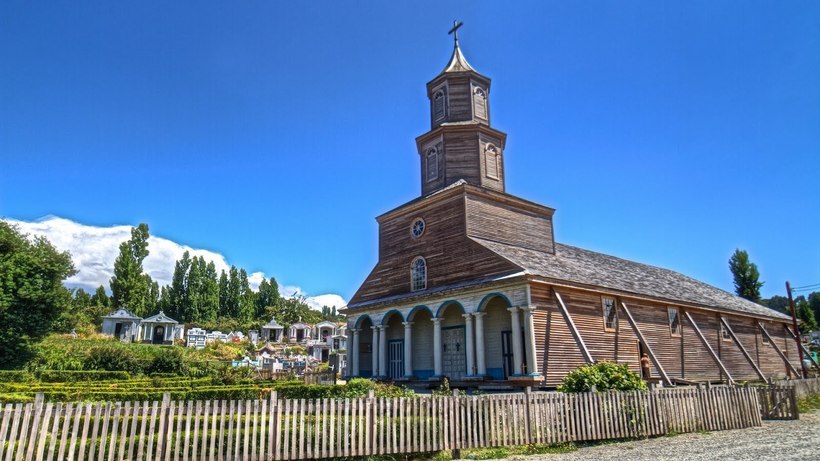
<point>814,285</point>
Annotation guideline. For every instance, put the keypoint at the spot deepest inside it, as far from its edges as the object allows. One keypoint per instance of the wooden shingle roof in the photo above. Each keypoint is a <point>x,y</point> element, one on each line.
<point>580,266</point>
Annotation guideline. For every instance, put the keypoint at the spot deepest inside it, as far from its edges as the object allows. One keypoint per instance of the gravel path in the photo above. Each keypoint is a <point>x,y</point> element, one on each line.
<point>780,440</point>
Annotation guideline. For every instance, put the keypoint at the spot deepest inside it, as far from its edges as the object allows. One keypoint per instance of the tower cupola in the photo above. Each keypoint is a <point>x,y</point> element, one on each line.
<point>460,144</point>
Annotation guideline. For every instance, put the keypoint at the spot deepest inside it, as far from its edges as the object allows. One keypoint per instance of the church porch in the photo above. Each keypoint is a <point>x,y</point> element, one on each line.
<point>473,338</point>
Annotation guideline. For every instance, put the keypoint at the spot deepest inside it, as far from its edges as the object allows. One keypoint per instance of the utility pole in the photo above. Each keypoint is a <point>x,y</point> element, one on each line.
<point>796,331</point>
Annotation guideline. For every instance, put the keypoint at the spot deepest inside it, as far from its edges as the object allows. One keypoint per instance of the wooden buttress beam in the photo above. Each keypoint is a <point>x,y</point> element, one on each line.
<point>805,351</point>
<point>643,341</point>
<point>709,348</point>
<point>743,349</point>
<point>780,352</point>
<point>572,328</point>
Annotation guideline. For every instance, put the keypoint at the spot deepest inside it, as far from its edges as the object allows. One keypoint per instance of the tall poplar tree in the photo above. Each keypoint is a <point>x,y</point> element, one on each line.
<point>745,276</point>
<point>178,305</point>
<point>266,298</point>
<point>130,288</point>
<point>210,292</point>
<point>224,289</point>
<point>247,298</point>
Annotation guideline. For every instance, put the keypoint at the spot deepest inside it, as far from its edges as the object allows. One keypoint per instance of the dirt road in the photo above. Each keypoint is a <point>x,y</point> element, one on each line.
<point>776,440</point>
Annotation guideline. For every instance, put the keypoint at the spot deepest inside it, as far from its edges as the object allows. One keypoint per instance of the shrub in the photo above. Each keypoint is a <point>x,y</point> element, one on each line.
<point>604,376</point>
<point>113,358</point>
<point>169,360</point>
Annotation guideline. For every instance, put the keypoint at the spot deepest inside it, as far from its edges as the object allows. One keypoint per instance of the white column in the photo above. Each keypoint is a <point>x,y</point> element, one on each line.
<point>529,340</point>
<point>353,360</point>
<point>516,339</point>
<point>481,364</point>
<point>383,351</point>
<point>468,331</point>
<point>374,352</point>
<point>438,369</point>
<point>408,350</point>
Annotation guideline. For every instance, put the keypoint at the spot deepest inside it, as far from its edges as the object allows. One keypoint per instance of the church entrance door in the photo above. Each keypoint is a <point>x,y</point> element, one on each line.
<point>395,359</point>
<point>454,358</point>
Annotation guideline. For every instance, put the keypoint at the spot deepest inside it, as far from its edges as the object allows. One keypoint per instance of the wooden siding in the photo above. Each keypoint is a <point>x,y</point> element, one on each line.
<point>460,101</point>
<point>557,354</point>
<point>683,357</point>
<point>730,353</point>
<point>500,222</point>
<point>462,157</point>
<point>451,257</point>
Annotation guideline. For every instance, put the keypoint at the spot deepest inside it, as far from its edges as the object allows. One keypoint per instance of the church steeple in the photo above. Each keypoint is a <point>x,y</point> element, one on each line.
<point>461,144</point>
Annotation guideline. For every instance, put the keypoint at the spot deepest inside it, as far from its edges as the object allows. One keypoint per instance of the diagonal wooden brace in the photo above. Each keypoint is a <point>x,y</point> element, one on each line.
<point>709,348</point>
<point>573,329</point>
<point>780,352</point>
<point>643,341</point>
<point>743,349</point>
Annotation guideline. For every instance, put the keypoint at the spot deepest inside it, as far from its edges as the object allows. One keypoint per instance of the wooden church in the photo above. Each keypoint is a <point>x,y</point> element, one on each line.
<point>471,285</point>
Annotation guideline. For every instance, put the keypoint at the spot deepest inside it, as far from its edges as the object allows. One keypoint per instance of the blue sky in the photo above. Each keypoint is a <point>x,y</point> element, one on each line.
<point>273,133</point>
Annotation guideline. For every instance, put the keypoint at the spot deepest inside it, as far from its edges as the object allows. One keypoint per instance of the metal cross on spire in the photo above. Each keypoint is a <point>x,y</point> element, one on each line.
<point>454,31</point>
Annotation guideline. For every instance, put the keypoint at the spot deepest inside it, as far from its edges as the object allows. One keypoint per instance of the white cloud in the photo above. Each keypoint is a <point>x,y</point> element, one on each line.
<point>94,249</point>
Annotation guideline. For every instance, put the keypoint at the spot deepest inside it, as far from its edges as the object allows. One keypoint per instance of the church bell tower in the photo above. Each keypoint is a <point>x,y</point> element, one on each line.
<point>460,145</point>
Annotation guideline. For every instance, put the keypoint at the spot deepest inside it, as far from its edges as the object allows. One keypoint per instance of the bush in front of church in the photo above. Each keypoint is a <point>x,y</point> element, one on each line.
<point>604,376</point>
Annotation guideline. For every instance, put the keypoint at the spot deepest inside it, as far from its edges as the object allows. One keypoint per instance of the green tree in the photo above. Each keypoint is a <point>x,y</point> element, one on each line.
<point>778,303</point>
<point>291,310</point>
<point>745,276</point>
<point>101,298</point>
<point>179,306</point>
<point>224,294</point>
<point>130,288</point>
<point>804,313</point>
<point>32,295</point>
<point>233,294</point>
<point>266,298</point>
<point>210,292</point>
<point>100,306</point>
<point>814,303</point>
<point>247,298</point>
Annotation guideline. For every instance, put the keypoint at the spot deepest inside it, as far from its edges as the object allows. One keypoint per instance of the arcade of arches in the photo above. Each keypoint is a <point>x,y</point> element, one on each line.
<point>494,340</point>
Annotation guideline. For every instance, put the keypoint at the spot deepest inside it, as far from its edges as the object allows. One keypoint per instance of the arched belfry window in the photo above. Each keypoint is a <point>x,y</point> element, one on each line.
<point>418,274</point>
<point>439,104</point>
<point>491,158</point>
<point>431,164</point>
<point>480,102</point>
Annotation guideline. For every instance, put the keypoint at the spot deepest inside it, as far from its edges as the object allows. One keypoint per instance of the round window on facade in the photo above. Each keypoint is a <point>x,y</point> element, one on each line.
<point>418,228</point>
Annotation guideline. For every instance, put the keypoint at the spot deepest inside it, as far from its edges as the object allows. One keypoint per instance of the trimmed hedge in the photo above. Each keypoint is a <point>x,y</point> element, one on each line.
<point>61,376</point>
<point>15,376</point>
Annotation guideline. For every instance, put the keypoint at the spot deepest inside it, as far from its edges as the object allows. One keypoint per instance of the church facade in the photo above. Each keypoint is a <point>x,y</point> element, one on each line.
<point>471,285</point>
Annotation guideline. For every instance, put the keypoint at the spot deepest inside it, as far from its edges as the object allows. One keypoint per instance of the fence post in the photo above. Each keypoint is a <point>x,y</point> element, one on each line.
<point>164,423</point>
<point>527,400</point>
<point>793,396</point>
<point>456,451</point>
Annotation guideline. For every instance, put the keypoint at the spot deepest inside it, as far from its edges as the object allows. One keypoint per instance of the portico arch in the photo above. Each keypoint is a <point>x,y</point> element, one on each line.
<point>498,336</point>
<point>421,340</point>
<point>453,340</point>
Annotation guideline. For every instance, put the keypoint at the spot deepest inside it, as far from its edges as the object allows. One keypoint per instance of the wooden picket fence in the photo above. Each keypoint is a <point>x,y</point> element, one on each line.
<point>777,402</point>
<point>305,429</point>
